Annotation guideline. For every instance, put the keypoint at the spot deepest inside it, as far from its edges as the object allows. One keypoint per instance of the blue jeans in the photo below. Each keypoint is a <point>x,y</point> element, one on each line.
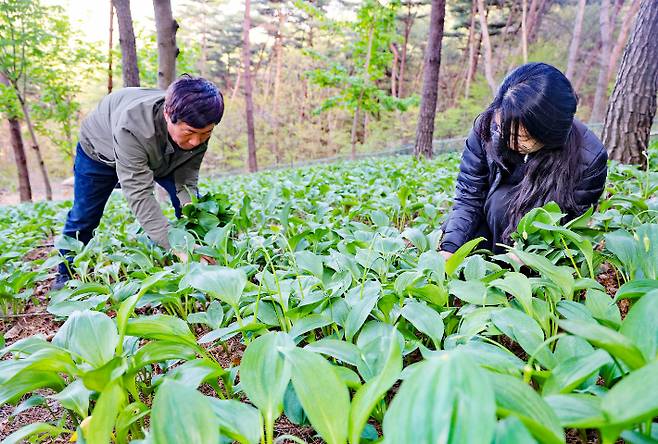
<point>94,182</point>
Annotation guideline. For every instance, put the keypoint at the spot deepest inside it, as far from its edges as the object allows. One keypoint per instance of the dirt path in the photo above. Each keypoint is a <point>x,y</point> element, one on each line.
<point>62,190</point>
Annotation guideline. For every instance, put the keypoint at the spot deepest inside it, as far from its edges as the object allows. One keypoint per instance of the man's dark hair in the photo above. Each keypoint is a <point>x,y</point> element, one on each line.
<point>195,101</point>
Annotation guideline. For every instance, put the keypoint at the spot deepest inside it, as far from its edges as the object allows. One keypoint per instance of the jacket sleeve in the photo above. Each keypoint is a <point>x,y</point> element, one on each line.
<point>187,177</point>
<point>592,182</point>
<point>472,187</point>
<point>136,178</point>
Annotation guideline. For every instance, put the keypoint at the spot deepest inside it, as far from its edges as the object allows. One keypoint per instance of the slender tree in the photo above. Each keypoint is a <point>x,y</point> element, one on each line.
<point>574,47</point>
<point>524,30</point>
<point>109,50</point>
<point>632,106</point>
<point>22,35</point>
<point>425,129</point>
<point>473,50</point>
<point>166,28</point>
<point>248,93</point>
<point>16,139</point>
<point>600,95</point>
<point>127,41</point>
<point>622,38</point>
<point>488,59</point>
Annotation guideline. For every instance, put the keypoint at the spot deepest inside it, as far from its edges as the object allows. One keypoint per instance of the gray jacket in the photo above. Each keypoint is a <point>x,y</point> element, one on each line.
<point>127,131</point>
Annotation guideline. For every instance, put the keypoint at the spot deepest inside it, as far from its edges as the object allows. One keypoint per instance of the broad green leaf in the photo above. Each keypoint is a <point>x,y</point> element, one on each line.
<point>430,405</point>
<point>515,398</point>
<point>226,284</point>
<point>264,374</point>
<point>161,327</point>
<point>99,378</point>
<point>569,374</point>
<point>193,373</point>
<point>577,410</point>
<point>180,414</point>
<point>425,319</point>
<point>180,240</point>
<point>68,243</point>
<point>636,288</point>
<point>475,292</point>
<point>128,416</point>
<point>518,286</point>
<point>614,343</point>
<point>417,238</point>
<point>369,394</point>
<point>90,335</point>
<point>458,256</point>
<point>160,351</point>
<point>603,308</point>
<point>511,430</point>
<point>361,310</point>
<point>561,276</point>
<point>105,414</point>
<point>75,397</point>
<point>38,428</point>
<point>342,350</point>
<point>434,263</point>
<point>237,420</point>
<point>496,358</point>
<point>308,261</point>
<point>641,325</point>
<point>634,398</point>
<point>308,323</point>
<point>321,392</point>
<point>25,382</point>
<point>521,328</point>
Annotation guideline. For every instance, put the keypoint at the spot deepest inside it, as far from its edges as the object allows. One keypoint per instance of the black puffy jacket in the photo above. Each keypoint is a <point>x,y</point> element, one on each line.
<point>480,176</point>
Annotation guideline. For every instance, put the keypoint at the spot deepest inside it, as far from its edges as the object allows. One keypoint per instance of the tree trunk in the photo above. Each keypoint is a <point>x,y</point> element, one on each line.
<point>631,13</point>
<point>16,139</point>
<point>408,24</point>
<point>109,50</point>
<point>471,50</point>
<point>357,111</point>
<point>632,105</point>
<point>524,30</point>
<point>249,102</point>
<point>127,41</point>
<point>166,28</point>
<point>394,69</point>
<point>488,68</point>
<point>24,187</point>
<point>35,147</point>
<point>473,64</point>
<point>278,52</point>
<point>425,129</point>
<point>237,85</point>
<point>574,47</point>
<point>600,95</point>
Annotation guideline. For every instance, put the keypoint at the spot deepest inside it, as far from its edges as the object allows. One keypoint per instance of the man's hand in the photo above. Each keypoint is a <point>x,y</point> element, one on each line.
<point>184,257</point>
<point>181,256</point>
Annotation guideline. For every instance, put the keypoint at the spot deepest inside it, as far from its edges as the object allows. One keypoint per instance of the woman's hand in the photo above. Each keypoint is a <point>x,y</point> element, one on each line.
<point>446,254</point>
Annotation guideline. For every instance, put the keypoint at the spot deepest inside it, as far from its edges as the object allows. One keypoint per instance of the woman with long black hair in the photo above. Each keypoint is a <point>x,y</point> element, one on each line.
<point>525,150</point>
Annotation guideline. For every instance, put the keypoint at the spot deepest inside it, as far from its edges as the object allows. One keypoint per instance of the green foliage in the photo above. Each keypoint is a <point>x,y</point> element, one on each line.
<point>369,53</point>
<point>331,283</point>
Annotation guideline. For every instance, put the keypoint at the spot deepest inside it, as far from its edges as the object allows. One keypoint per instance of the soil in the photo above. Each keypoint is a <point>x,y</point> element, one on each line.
<point>34,319</point>
<point>610,280</point>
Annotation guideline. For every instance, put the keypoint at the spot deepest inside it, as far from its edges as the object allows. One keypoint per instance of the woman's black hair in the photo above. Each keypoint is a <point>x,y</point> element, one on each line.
<point>195,101</point>
<point>541,99</point>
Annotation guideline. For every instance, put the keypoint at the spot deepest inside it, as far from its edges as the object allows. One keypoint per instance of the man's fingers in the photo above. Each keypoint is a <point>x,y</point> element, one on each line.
<point>208,260</point>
